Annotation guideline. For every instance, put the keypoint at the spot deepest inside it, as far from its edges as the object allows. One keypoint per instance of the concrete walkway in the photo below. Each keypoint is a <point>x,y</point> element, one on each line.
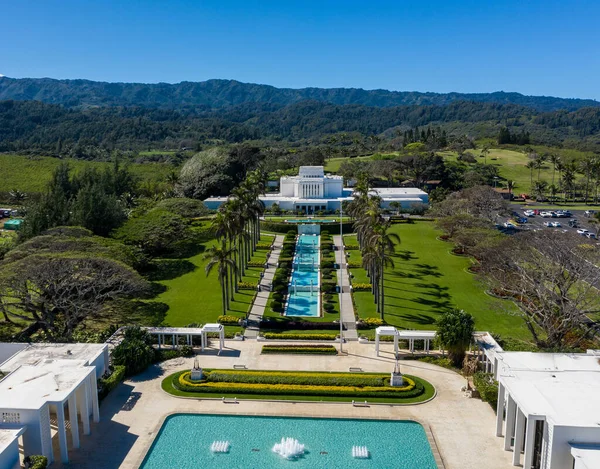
<point>132,414</point>
<point>262,297</point>
<point>345,297</point>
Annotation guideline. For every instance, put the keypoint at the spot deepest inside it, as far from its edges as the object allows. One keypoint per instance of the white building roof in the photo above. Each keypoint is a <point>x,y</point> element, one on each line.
<point>8,436</point>
<point>29,387</point>
<point>35,354</point>
<point>397,191</point>
<point>564,388</point>
<point>587,456</point>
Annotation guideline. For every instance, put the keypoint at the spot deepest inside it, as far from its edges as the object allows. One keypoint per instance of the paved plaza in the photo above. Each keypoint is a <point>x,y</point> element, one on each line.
<point>133,413</point>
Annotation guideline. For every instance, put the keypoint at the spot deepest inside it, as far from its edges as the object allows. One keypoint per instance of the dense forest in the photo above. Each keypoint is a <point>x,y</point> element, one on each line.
<point>33,126</point>
<point>225,93</point>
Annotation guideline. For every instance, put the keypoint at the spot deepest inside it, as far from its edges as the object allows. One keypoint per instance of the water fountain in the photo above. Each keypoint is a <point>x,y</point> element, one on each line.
<point>311,288</point>
<point>295,286</point>
<point>220,446</point>
<point>289,448</point>
<point>360,452</point>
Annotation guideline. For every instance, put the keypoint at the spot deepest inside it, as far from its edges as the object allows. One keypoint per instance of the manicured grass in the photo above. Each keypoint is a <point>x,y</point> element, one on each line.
<point>332,165</point>
<point>167,386</point>
<point>428,280</point>
<point>194,297</point>
<point>31,174</point>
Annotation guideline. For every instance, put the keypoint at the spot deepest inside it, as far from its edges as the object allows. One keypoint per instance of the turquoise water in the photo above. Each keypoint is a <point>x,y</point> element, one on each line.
<point>184,443</point>
<point>304,270</point>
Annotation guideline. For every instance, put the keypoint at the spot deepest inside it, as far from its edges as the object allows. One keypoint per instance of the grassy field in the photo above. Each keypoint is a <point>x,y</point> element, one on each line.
<point>30,174</point>
<point>194,297</point>
<point>429,280</point>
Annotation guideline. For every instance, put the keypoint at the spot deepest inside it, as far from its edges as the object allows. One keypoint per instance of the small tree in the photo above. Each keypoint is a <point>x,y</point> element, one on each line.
<point>455,333</point>
<point>135,352</point>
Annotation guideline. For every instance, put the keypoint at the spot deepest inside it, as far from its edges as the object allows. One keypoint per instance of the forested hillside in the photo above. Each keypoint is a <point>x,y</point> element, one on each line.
<point>27,126</point>
<point>224,93</point>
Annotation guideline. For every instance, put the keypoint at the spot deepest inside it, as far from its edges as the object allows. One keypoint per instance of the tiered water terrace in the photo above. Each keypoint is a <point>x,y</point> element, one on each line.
<point>188,441</point>
<point>304,287</point>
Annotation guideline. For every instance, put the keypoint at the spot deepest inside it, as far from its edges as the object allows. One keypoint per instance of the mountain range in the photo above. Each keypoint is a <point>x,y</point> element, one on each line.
<point>220,94</point>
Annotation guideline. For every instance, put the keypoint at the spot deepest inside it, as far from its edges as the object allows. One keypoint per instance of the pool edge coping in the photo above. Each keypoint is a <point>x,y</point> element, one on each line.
<point>437,455</point>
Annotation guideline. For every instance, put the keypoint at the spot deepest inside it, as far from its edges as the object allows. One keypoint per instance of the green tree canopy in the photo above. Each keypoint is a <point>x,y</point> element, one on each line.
<point>455,333</point>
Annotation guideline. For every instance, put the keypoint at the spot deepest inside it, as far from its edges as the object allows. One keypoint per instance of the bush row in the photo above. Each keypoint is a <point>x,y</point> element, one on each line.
<point>106,385</point>
<point>256,264</point>
<point>247,285</point>
<point>370,323</point>
<point>300,378</point>
<point>361,287</point>
<point>300,349</point>
<point>228,319</point>
<point>263,246</point>
<point>272,335</point>
<point>283,324</point>
<point>412,389</point>
<point>36,462</point>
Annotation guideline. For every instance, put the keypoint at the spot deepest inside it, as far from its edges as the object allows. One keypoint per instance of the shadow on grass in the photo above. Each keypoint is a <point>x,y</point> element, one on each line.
<point>169,269</point>
<point>406,255</point>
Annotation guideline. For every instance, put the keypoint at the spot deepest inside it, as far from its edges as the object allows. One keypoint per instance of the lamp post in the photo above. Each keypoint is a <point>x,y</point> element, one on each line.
<point>341,277</point>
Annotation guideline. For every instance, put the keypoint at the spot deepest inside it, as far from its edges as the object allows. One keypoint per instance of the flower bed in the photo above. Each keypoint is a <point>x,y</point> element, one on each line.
<point>247,285</point>
<point>276,383</point>
<point>276,336</point>
<point>300,349</point>
<point>228,320</point>
<point>362,287</point>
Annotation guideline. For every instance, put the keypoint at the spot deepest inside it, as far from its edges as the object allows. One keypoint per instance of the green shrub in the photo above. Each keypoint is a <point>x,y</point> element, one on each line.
<point>135,352</point>
<point>277,296</point>
<point>328,307</point>
<point>370,323</point>
<point>277,336</point>
<point>487,387</point>
<point>276,306</point>
<point>186,208</point>
<point>300,349</point>
<point>327,264</point>
<point>280,288</point>
<point>36,462</point>
<point>354,264</point>
<point>264,246</point>
<point>256,264</point>
<point>328,297</point>
<point>298,377</point>
<point>361,287</point>
<point>247,285</point>
<point>228,319</point>
<point>106,385</point>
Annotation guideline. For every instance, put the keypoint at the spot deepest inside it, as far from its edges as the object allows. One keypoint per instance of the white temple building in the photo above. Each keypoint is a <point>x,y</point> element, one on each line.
<point>312,191</point>
<point>45,382</point>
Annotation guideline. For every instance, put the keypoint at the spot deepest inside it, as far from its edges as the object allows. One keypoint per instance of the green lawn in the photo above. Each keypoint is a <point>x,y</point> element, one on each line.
<point>194,297</point>
<point>30,174</point>
<point>428,280</point>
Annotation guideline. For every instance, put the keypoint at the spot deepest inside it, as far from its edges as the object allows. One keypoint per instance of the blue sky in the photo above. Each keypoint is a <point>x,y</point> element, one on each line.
<point>539,47</point>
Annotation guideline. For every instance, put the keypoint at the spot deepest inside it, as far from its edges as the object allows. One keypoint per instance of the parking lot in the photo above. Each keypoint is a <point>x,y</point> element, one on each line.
<point>537,221</point>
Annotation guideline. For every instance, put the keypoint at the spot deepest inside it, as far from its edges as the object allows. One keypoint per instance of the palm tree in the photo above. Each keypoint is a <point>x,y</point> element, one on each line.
<point>587,167</point>
<point>539,188</point>
<point>510,185</point>
<point>539,163</point>
<point>555,160</point>
<point>220,258</point>
<point>485,151</point>
<point>384,248</point>
<point>531,166</point>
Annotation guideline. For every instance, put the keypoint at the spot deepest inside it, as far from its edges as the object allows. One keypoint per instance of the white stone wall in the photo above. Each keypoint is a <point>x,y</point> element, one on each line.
<point>561,457</point>
<point>9,458</point>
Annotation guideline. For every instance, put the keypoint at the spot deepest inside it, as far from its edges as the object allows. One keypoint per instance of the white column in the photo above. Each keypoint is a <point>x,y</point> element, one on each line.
<point>529,440</point>
<point>377,343</point>
<point>500,410</point>
<point>519,427</point>
<point>46,442</point>
<point>95,406</point>
<point>62,432</point>
<point>73,419</point>
<point>511,408</point>
<point>84,407</point>
<point>221,340</point>
<point>395,343</point>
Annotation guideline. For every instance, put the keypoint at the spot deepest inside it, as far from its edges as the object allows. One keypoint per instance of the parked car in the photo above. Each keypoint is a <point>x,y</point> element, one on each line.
<point>573,223</point>
<point>545,214</point>
<point>556,224</point>
<point>590,235</point>
<point>589,213</point>
<point>529,213</point>
<point>582,231</point>
<point>548,224</point>
<point>522,220</point>
<point>510,225</point>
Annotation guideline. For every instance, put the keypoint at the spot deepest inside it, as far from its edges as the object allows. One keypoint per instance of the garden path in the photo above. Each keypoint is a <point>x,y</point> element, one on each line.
<point>345,297</point>
<point>262,296</point>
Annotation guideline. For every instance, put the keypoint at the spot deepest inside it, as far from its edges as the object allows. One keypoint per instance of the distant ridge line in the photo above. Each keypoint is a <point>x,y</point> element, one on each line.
<point>218,94</point>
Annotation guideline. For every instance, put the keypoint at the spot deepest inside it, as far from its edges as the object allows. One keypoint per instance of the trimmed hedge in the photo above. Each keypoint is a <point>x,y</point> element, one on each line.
<point>106,385</point>
<point>262,246</point>
<point>277,336</point>
<point>412,388</point>
<point>361,287</point>
<point>228,319</point>
<point>284,324</point>
<point>370,323</point>
<point>256,264</point>
<point>300,349</point>
<point>247,285</point>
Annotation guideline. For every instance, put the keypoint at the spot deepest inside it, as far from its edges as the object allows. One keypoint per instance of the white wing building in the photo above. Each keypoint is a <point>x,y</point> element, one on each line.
<point>312,191</point>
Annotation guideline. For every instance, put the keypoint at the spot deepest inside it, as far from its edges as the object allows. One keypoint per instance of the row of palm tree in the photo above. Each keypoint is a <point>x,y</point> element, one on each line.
<point>377,244</point>
<point>589,167</point>
<point>237,229</point>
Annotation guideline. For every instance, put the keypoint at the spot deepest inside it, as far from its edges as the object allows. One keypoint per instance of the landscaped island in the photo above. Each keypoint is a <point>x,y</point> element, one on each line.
<point>298,385</point>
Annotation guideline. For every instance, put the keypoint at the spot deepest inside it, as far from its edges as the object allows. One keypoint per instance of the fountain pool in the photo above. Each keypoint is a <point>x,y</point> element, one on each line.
<point>184,442</point>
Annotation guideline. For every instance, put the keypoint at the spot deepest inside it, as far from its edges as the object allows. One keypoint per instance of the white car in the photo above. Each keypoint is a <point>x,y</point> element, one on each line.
<point>555,224</point>
<point>529,213</point>
<point>583,231</point>
<point>546,214</point>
